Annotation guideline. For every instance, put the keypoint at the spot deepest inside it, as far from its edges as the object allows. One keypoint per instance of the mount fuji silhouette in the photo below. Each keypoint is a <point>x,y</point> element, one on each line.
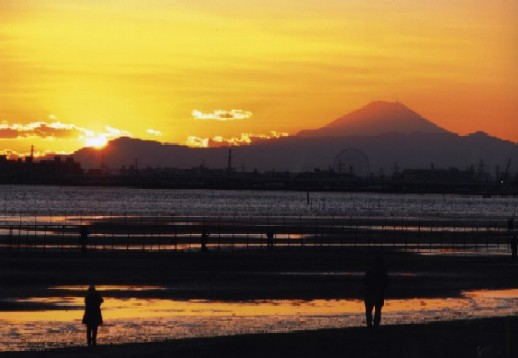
<point>388,133</point>
<point>376,118</point>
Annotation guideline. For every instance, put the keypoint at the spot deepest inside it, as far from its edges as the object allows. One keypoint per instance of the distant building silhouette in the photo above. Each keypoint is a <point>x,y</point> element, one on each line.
<point>66,171</point>
<point>45,171</point>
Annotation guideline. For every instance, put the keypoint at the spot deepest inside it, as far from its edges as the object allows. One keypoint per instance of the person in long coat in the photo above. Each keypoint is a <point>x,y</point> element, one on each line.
<point>376,281</point>
<point>92,317</point>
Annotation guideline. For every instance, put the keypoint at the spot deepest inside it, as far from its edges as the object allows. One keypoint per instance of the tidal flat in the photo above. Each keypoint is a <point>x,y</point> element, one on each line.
<point>157,297</point>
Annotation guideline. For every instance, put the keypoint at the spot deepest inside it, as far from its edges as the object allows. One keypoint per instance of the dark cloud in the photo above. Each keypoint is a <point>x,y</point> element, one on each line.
<point>40,129</point>
<point>7,133</point>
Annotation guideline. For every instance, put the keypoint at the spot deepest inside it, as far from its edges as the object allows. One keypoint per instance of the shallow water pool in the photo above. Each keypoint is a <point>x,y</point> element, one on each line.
<point>130,319</point>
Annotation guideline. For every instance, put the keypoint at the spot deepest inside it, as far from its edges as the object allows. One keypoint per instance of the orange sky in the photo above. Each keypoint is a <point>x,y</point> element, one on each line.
<point>178,70</point>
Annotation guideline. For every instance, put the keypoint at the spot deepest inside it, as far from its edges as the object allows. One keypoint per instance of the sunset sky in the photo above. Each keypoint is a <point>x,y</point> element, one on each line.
<point>76,73</point>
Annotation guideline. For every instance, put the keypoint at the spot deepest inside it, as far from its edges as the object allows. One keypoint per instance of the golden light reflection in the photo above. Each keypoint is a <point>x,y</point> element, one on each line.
<point>139,308</point>
<point>144,320</point>
<point>110,288</point>
<point>493,294</point>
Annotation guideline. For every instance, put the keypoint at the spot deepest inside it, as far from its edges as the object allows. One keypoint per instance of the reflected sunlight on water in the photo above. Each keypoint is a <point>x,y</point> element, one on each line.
<point>143,319</point>
<point>20,201</point>
<point>110,288</point>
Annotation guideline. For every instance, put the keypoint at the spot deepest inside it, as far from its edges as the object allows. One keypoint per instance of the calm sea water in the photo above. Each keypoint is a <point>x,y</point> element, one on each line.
<point>150,319</point>
<point>75,201</point>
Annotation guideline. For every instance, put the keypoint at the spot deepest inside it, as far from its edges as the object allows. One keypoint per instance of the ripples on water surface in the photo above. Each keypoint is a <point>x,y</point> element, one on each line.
<point>149,319</point>
<point>50,200</point>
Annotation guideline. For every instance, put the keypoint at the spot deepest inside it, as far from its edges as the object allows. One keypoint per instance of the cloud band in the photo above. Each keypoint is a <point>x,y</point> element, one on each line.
<point>221,115</point>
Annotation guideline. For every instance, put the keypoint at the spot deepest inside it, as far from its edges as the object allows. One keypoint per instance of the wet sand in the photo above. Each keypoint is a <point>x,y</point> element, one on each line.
<point>281,274</point>
<point>474,338</point>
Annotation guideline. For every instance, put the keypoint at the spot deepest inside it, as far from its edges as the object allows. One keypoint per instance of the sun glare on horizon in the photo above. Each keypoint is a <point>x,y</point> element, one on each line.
<point>97,142</point>
<point>179,69</point>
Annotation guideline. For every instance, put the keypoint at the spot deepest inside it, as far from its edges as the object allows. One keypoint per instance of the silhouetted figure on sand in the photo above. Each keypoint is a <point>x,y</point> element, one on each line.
<point>376,281</point>
<point>270,237</point>
<point>92,317</point>
<point>84,232</point>
<point>203,240</point>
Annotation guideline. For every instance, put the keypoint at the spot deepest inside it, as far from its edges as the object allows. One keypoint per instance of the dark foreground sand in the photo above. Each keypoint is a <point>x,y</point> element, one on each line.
<point>282,274</point>
<point>237,276</point>
<point>494,337</point>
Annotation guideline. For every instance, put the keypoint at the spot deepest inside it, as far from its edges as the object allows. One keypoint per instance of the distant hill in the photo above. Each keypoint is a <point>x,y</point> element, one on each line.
<point>374,119</point>
<point>384,153</point>
<point>389,134</point>
<point>134,152</point>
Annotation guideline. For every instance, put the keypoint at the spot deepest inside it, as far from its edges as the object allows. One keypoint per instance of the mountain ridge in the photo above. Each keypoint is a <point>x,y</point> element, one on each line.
<point>386,149</point>
<point>376,118</point>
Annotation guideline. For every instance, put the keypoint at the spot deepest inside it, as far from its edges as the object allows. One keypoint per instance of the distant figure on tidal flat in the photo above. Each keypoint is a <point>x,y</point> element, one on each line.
<point>84,232</point>
<point>92,317</point>
<point>376,281</point>
<point>514,247</point>
<point>270,236</point>
<point>203,240</point>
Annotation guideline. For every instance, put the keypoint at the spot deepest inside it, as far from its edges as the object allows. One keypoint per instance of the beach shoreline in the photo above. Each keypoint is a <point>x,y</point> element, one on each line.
<point>488,337</point>
<point>287,274</point>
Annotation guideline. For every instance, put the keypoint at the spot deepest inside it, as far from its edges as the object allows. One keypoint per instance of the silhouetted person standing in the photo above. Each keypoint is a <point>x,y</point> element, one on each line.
<point>376,281</point>
<point>512,238</point>
<point>203,240</point>
<point>514,247</point>
<point>84,232</point>
<point>92,317</point>
<point>270,237</point>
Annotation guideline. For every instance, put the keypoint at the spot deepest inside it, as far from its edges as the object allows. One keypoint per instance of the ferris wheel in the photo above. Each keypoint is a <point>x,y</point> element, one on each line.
<point>352,161</point>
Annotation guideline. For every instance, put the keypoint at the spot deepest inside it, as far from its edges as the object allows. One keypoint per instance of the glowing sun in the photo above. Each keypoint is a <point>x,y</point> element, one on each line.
<point>97,142</point>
